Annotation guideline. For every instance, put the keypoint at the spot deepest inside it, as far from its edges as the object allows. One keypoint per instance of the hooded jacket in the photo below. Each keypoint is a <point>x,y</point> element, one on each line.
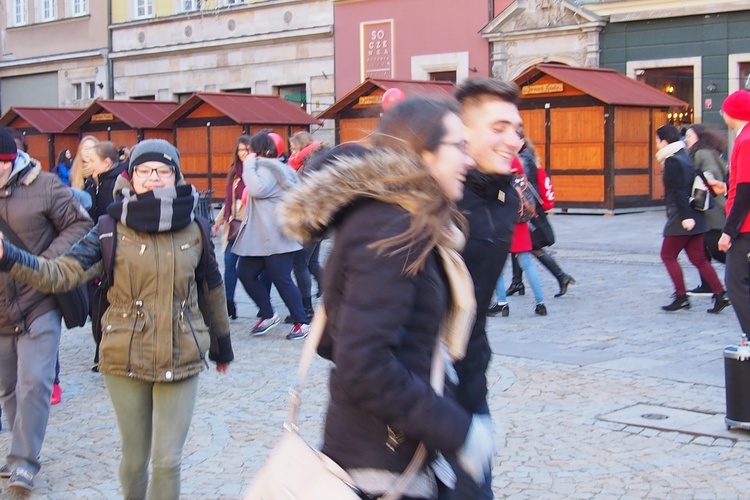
<point>153,329</point>
<point>383,323</point>
<point>102,191</point>
<point>46,217</point>
<point>678,175</point>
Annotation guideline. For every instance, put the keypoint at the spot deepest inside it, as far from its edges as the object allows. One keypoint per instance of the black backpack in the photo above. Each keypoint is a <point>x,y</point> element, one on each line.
<point>108,242</point>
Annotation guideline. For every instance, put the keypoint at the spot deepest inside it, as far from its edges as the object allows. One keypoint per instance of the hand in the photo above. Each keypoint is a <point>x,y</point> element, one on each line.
<point>475,456</point>
<point>222,367</point>
<point>718,187</point>
<point>216,228</point>
<point>725,242</point>
<point>688,224</point>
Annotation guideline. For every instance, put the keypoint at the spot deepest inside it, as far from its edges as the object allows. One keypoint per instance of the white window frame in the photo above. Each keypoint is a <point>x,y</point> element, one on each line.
<point>191,5</point>
<point>147,6</point>
<point>234,2</point>
<point>79,7</point>
<point>47,10</point>
<point>18,12</point>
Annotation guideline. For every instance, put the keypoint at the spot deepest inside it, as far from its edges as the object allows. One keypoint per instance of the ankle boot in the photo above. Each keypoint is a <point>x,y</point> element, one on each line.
<point>232,309</point>
<point>679,302</point>
<point>516,287</point>
<point>307,305</point>
<point>540,309</point>
<point>517,271</point>
<point>562,278</point>
<point>720,302</point>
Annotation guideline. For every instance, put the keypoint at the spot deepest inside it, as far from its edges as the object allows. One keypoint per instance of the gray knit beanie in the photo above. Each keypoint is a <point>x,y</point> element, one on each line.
<point>155,150</point>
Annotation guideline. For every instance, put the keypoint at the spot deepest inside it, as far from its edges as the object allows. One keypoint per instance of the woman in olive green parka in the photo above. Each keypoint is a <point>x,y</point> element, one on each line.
<point>154,336</point>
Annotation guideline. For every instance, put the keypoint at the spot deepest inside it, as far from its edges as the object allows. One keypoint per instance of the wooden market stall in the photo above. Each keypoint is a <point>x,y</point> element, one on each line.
<point>207,125</point>
<point>357,113</point>
<point>594,131</point>
<point>124,122</point>
<point>44,129</point>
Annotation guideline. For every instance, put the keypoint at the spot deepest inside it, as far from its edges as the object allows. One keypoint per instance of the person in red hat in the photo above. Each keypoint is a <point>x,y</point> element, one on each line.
<point>735,239</point>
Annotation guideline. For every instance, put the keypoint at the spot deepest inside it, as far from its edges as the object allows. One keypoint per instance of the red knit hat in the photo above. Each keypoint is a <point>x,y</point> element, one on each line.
<point>737,105</point>
<point>8,149</point>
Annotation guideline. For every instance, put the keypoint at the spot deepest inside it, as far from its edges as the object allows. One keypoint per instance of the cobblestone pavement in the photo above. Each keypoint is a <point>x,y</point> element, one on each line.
<point>605,346</point>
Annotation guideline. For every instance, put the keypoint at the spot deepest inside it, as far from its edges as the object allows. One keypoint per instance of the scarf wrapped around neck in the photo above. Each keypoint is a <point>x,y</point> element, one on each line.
<point>158,211</point>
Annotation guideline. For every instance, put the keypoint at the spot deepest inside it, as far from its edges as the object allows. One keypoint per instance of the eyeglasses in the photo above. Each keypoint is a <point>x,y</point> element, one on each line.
<point>163,172</point>
<point>460,145</point>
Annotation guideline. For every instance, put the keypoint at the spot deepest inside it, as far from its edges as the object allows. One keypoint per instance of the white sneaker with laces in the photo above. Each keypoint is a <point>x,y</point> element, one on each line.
<point>264,325</point>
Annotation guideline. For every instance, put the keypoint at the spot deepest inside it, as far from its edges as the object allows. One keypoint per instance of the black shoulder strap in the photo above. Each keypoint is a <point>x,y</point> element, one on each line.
<point>107,242</point>
<point>699,173</point>
<point>11,235</point>
<point>205,226</point>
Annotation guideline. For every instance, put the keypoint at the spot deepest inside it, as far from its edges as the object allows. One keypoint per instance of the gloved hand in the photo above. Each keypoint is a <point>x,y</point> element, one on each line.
<point>475,456</point>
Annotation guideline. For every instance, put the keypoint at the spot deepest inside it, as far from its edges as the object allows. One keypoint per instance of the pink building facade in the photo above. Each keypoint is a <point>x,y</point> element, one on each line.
<point>411,40</point>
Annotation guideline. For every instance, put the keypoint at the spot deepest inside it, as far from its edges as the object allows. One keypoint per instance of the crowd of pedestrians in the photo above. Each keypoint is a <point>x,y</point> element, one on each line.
<point>423,218</point>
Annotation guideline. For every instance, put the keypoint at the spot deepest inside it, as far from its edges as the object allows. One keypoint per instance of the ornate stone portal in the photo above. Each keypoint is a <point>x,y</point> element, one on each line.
<point>532,31</point>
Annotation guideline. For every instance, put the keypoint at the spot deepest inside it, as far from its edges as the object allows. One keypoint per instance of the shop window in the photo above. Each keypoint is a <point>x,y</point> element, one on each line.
<point>294,93</point>
<point>443,76</point>
<point>675,81</point>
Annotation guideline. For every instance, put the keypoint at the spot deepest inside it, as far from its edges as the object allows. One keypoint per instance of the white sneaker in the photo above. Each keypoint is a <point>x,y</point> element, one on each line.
<point>264,325</point>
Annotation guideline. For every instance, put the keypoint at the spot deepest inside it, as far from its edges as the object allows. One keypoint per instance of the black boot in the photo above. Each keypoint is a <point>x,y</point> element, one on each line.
<point>679,302</point>
<point>232,309</point>
<point>720,302</point>
<point>307,305</point>
<point>517,271</point>
<point>563,279</point>
<point>495,308</point>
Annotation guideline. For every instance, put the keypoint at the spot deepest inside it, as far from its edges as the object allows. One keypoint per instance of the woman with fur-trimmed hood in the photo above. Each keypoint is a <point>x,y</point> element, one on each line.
<point>394,287</point>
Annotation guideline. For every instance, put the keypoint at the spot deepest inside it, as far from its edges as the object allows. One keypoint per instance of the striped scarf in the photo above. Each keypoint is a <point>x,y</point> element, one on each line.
<point>158,211</point>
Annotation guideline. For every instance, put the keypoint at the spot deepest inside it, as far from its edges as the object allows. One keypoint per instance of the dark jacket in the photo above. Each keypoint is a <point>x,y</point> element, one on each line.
<point>383,324</point>
<point>490,205</point>
<point>102,192</point>
<point>46,217</point>
<point>679,172</point>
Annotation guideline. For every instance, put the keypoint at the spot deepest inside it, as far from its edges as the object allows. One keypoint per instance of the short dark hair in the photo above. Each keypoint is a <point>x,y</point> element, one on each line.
<point>20,138</point>
<point>107,149</point>
<point>668,133</point>
<point>477,90</point>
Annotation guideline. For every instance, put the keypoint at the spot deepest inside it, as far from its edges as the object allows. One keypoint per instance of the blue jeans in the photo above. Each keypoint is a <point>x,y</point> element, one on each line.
<point>154,419</point>
<point>524,260</point>
<point>279,269</point>
<point>230,272</point>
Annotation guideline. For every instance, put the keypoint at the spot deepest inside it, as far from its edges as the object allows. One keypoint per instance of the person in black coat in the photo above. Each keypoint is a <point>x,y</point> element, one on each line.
<point>490,205</point>
<point>388,286</point>
<point>685,226</point>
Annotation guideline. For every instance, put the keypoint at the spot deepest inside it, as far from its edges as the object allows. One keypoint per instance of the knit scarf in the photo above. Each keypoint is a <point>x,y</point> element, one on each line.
<point>158,211</point>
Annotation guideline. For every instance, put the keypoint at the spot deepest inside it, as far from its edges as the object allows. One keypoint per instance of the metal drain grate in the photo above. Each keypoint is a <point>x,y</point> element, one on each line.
<point>654,416</point>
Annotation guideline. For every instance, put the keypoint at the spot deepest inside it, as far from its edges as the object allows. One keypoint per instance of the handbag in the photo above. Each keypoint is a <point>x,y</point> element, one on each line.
<point>234,223</point>
<point>294,470</point>
<point>701,195</point>
<point>542,234</point>
<point>528,197</point>
<point>73,304</point>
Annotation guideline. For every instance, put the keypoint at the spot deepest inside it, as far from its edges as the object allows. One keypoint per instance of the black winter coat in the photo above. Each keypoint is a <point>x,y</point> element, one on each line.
<point>490,205</point>
<point>102,193</point>
<point>679,172</point>
<point>381,331</point>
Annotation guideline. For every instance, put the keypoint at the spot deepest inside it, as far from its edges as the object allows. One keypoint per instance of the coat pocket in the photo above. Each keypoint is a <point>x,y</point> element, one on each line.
<point>122,336</point>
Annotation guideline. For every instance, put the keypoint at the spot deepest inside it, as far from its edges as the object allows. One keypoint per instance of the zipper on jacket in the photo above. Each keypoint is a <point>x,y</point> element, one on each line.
<point>183,316</point>
<point>138,313</point>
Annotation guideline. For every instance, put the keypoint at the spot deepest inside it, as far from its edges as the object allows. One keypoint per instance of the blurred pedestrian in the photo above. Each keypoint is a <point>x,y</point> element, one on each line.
<point>81,169</point>
<point>64,164</point>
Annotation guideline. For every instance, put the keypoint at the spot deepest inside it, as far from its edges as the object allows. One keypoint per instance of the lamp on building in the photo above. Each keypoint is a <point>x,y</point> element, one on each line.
<point>669,89</point>
<point>100,85</point>
<point>711,87</point>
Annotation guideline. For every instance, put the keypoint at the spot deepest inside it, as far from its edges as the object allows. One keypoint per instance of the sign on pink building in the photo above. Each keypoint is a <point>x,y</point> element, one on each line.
<point>376,46</point>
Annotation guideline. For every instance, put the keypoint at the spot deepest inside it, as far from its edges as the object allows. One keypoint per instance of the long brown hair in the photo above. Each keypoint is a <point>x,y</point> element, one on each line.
<point>413,127</point>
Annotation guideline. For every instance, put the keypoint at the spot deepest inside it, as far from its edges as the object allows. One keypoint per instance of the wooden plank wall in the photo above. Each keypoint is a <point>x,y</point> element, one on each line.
<point>356,129</point>
<point>658,118</point>
<point>632,151</point>
<point>535,129</point>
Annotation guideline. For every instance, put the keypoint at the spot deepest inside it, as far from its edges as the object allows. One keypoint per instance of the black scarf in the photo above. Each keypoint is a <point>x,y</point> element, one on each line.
<point>158,211</point>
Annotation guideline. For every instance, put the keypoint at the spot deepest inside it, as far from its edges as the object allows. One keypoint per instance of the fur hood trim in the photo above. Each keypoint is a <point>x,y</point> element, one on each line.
<point>308,211</point>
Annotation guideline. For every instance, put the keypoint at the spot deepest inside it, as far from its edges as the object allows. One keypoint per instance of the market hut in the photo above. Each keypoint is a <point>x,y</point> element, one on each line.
<point>207,125</point>
<point>44,129</point>
<point>357,113</point>
<point>124,122</point>
<point>594,131</point>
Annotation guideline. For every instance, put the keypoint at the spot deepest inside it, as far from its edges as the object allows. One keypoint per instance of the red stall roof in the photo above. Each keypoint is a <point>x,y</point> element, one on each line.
<point>135,114</point>
<point>606,85</point>
<point>245,109</point>
<point>45,120</point>
<point>409,87</point>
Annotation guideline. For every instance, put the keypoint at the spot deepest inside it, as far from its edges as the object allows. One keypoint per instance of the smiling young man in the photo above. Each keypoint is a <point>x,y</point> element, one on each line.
<point>490,205</point>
